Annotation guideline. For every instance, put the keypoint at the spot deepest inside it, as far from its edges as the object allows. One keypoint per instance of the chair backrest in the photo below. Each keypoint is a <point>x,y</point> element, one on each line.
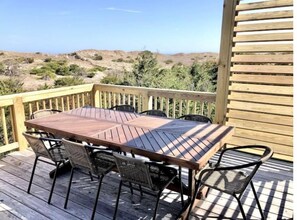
<point>252,164</point>
<point>194,117</point>
<point>44,113</point>
<point>36,143</point>
<point>124,108</point>
<point>154,112</point>
<point>78,155</point>
<point>133,170</point>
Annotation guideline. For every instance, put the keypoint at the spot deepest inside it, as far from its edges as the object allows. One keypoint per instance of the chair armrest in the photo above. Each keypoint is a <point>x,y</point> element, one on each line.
<point>161,168</point>
<point>57,142</point>
<point>268,152</point>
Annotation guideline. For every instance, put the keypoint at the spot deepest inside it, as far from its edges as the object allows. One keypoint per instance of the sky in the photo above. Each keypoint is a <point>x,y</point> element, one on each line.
<point>64,26</point>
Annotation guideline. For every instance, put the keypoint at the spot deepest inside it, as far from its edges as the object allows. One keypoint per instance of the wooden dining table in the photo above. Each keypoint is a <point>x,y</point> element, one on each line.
<point>187,144</point>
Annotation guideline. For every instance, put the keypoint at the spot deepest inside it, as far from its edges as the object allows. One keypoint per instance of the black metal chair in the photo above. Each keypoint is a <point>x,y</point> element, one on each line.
<point>124,108</point>
<point>44,113</point>
<point>85,158</point>
<point>154,177</point>
<point>232,180</point>
<point>45,146</point>
<point>195,117</point>
<point>154,112</point>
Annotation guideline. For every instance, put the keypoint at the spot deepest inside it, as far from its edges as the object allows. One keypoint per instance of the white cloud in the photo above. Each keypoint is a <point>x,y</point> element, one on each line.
<point>123,10</point>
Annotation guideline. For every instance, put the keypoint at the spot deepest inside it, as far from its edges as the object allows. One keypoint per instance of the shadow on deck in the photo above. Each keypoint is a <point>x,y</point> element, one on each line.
<point>273,182</point>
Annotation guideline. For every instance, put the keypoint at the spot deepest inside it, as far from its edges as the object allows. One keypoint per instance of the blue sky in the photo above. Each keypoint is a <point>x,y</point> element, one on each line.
<point>62,26</point>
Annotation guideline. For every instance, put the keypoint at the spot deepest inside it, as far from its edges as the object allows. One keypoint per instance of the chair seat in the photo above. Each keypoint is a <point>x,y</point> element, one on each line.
<point>103,162</point>
<point>161,175</point>
<point>228,181</point>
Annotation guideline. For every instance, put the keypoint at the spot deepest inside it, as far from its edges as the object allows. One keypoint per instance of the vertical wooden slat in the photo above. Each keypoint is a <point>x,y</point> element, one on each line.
<point>155,102</point>
<point>173,108</point>
<point>109,100</point>
<point>180,113</point>
<point>51,104</point>
<point>83,95</point>
<point>56,103</point>
<point>134,101</point>
<point>105,100</point>
<point>12,124</point>
<point>188,107</point>
<point>161,103</point>
<point>129,99</point>
<point>37,105</point>
<point>167,106</point>
<point>68,103</point>
<point>209,106</point>
<point>202,108</point>
<point>139,103</point>
<point>62,104</point>
<point>43,104</point>
<point>194,111</point>
<point>119,99</point>
<point>30,109</point>
<point>4,127</point>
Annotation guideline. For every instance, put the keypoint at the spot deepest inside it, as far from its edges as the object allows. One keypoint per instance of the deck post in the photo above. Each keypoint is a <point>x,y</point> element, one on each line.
<point>95,96</point>
<point>225,60</point>
<point>18,115</point>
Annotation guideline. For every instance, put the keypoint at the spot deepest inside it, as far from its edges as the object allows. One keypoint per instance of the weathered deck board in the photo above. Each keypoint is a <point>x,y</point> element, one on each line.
<point>273,182</point>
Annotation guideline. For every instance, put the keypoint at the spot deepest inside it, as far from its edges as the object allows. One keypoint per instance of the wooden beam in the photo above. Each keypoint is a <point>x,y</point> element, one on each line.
<point>225,60</point>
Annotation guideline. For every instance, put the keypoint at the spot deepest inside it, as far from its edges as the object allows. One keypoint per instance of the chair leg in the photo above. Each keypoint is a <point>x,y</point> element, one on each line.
<point>118,198</point>
<point>97,196</point>
<point>193,199</point>
<point>32,174</point>
<point>240,206</point>
<point>91,176</point>
<point>53,184</point>
<point>181,186</point>
<point>257,200</point>
<point>157,204</point>
<point>68,190</point>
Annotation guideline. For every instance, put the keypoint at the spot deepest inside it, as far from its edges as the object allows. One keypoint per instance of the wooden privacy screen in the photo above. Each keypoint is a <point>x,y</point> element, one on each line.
<point>256,69</point>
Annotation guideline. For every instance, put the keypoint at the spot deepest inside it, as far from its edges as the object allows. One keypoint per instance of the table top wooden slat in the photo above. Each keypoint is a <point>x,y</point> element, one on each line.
<point>185,143</point>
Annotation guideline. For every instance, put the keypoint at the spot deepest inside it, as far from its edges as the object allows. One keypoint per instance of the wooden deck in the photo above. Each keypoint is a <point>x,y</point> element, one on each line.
<point>274,184</point>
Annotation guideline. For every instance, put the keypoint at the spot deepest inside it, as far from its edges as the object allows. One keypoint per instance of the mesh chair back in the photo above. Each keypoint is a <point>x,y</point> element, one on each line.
<point>44,113</point>
<point>124,108</point>
<point>133,170</point>
<point>155,112</point>
<point>193,117</point>
<point>37,144</point>
<point>78,155</point>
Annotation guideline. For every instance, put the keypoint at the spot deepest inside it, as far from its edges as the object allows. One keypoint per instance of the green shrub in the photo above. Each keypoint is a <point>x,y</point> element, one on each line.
<point>1,53</point>
<point>68,81</point>
<point>97,69</point>
<point>168,61</point>
<point>97,57</point>
<point>11,86</point>
<point>2,68</point>
<point>47,60</point>
<point>38,53</point>
<point>44,87</point>
<point>91,74</point>
<point>111,79</point>
<point>29,60</point>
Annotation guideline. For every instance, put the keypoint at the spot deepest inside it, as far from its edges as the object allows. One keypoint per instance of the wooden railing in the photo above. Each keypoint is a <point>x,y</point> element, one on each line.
<point>15,109</point>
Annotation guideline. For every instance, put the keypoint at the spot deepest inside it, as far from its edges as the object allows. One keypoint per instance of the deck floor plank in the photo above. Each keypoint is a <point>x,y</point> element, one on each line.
<point>273,182</point>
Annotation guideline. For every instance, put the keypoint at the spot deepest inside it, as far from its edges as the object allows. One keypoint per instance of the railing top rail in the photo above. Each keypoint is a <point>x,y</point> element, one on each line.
<point>154,91</point>
<point>45,94</point>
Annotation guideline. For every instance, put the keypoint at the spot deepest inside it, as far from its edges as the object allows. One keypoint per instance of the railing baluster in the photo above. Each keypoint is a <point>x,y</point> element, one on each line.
<point>50,104</point>
<point>68,102</point>
<point>180,113</point>
<point>202,108</point>
<point>4,127</point>
<point>173,108</point>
